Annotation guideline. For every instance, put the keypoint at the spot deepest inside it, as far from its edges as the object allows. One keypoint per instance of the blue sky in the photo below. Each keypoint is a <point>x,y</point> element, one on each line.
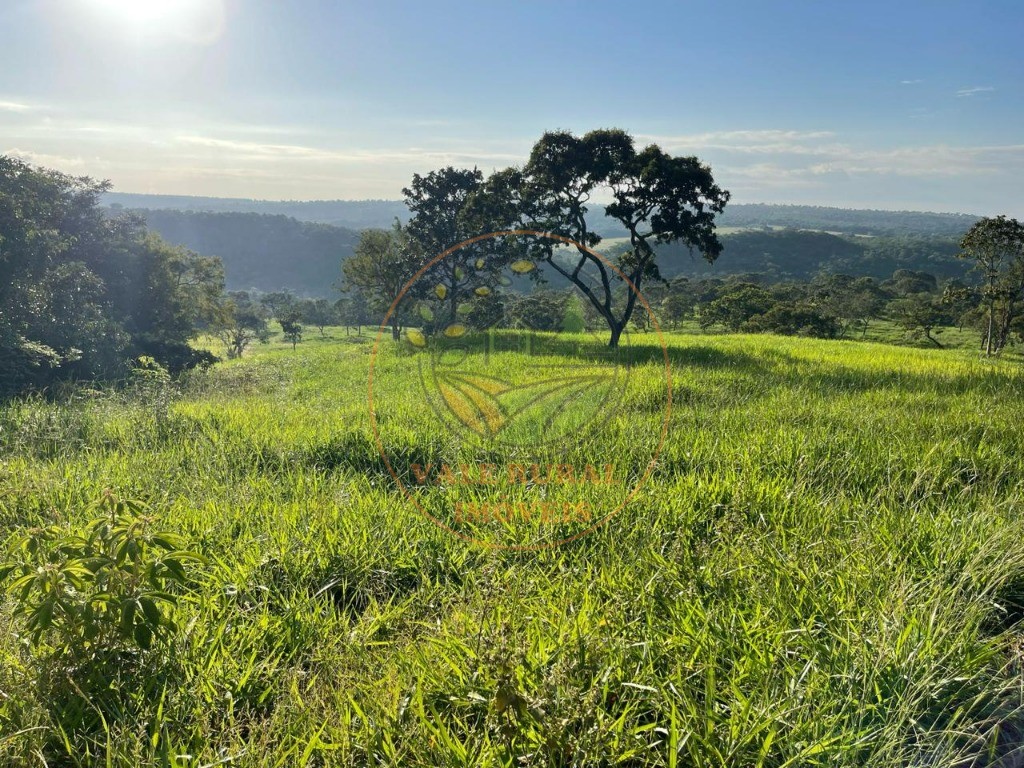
<point>902,104</point>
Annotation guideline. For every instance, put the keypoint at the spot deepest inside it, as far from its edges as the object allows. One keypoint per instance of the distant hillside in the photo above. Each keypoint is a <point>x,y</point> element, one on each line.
<point>360,214</point>
<point>351,214</point>
<point>274,252</point>
<point>849,221</point>
<point>266,252</point>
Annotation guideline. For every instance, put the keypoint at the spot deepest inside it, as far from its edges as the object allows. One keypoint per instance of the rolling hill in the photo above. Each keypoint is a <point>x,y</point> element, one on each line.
<point>270,250</point>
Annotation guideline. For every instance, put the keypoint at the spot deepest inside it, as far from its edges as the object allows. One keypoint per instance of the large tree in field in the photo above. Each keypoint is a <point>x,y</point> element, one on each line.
<point>382,264</point>
<point>655,197</point>
<point>997,247</point>
<point>450,207</point>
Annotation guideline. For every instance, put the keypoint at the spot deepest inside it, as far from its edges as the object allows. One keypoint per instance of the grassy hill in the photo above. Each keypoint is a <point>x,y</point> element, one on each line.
<point>825,569</point>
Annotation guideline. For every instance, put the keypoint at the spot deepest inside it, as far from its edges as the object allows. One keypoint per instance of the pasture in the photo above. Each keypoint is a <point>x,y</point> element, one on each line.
<point>824,567</point>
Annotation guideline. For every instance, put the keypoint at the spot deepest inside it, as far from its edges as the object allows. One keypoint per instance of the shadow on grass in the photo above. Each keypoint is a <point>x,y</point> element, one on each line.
<point>775,366</point>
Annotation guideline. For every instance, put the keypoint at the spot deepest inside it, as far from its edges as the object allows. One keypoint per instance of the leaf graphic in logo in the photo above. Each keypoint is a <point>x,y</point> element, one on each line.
<point>480,263</point>
<point>522,266</point>
<point>441,291</point>
<point>548,402</point>
<point>483,290</point>
<point>455,330</point>
<point>464,309</point>
<point>473,401</point>
<point>426,313</point>
<point>416,338</point>
<point>488,405</point>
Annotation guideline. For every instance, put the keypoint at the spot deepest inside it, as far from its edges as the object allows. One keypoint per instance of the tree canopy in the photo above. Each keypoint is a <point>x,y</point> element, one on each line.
<point>657,198</point>
<point>81,293</point>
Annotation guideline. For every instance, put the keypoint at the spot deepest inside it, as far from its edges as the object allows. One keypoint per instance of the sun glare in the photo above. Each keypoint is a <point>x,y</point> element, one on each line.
<point>200,21</point>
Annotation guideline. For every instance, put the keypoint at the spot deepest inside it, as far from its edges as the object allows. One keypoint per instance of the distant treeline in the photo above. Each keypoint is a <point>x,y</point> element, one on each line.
<point>351,214</point>
<point>793,254</point>
<point>849,221</point>
<point>362,214</point>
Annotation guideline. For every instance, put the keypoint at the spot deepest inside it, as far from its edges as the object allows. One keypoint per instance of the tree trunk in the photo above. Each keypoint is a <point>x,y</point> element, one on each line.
<point>928,335</point>
<point>396,332</point>
<point>991,316</point>
<point>613,342</point>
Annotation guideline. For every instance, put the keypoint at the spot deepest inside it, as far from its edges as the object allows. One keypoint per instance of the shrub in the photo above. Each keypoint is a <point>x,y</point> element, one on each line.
<point>109,588</point>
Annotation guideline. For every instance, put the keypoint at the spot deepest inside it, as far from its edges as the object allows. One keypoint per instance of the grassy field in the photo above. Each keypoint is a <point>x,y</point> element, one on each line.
<point>826,567</point>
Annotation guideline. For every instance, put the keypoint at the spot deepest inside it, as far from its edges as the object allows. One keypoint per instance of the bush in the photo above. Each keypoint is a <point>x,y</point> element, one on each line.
<point>110,587</point>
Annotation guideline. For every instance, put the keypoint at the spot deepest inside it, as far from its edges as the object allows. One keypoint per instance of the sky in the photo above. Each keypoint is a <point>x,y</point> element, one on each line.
<point>905,104</point>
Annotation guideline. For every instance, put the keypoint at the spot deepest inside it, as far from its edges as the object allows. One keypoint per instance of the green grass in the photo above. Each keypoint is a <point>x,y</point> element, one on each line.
<point>826,568</point>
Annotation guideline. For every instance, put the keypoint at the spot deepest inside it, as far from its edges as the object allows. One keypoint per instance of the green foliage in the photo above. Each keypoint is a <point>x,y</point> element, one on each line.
<point>291,328</point>
<point>450,207</point>
<point>318,313</point>
<point>109,587</point>
<point>242,322</point>
<point>919,313</point>
<point>383,262</point>
<point>997,247</point>
<point>736,306</point>
<point>83,294</point>
<point>657,198</point>
<point>794,319</point>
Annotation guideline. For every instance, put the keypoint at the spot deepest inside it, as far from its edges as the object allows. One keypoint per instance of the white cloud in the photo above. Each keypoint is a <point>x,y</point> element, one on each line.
<point>14,106</point>
<point>911,82</point>
<point>974,91</point>
<point>60,162</point>
<point>258,151</point>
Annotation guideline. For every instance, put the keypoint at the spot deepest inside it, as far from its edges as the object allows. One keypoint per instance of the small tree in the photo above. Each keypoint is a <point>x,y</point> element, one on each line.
<point>736,306</point>
<point>382,264</point>
<point>538,311</point>
<point>450,207</point>
<point>997,247</point>
<point>919,313</point>
<point>960,300</point>
<point>905,282</point>
<point>852,301</point>
<point>242,322</point>
<point>319,313</point>
<point>278,303</point>
<point>291,328</point>
<point>572,317</point>
<point>351,311</point>
<point>795,319</point>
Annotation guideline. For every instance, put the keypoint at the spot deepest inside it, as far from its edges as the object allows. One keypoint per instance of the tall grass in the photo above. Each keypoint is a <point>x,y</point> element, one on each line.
<point>825,568</point>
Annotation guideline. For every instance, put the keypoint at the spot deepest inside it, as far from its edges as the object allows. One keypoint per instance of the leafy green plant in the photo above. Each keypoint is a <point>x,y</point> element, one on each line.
<point>110,587</point>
